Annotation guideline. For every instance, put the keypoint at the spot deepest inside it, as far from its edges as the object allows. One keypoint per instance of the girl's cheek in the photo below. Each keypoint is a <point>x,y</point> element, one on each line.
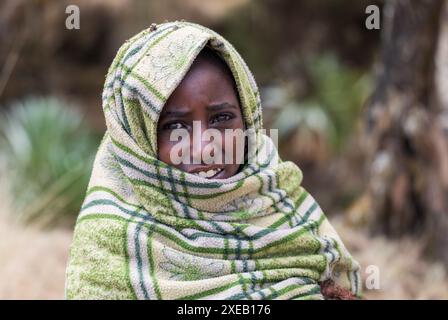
<point>237,148</point>
<point>162,155</point>
<point>164,150</point>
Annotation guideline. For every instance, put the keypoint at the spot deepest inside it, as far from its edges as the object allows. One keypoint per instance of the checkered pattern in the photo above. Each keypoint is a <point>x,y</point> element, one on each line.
<point>149,231</point>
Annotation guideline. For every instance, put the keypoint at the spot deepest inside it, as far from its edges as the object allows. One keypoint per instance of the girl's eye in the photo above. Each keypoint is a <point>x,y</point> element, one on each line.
<point>173,126</point>
<point>221,118</point>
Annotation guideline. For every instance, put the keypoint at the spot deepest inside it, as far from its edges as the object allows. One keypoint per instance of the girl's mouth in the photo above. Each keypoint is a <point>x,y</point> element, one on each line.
<point>208,174</point>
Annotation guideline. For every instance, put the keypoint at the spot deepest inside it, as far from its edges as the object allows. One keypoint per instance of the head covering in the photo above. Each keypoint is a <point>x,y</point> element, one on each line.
<point>147,230</point>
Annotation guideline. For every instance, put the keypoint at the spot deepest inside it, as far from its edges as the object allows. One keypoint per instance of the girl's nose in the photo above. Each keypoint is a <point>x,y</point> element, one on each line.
<point>201,145</point>
<point>196,143</point>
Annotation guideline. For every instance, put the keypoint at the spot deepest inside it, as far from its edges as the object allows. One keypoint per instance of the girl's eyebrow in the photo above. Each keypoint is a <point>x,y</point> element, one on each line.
<point>176,113</point>
<point>220,106</point>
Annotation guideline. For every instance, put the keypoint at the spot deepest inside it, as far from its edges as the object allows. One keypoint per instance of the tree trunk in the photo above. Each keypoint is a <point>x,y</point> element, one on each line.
<point>407,125</point>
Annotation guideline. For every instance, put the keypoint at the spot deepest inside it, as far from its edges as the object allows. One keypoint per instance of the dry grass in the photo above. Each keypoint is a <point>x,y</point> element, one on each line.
<point>32,261</point>
<point>404,274</point>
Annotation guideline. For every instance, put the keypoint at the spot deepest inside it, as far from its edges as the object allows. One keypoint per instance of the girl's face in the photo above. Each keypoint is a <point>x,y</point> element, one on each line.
<point>206,94</point>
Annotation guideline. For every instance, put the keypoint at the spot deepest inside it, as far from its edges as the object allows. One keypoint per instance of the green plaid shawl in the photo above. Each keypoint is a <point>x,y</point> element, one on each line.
<point>149,231</point>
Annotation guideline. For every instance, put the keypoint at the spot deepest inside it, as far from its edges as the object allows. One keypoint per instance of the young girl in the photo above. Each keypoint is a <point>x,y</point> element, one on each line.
<point>153,227</point>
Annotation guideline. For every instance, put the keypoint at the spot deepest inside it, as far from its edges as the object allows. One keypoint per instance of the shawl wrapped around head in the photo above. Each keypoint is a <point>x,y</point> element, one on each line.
<point>147,230</point>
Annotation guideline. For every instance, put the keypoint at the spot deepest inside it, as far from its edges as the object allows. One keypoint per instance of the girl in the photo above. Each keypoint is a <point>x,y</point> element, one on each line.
<point>153,227</point>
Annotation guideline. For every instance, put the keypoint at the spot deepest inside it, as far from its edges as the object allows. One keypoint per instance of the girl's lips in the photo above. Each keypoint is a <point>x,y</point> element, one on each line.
<point>219,175</point>
<point>207,172</point>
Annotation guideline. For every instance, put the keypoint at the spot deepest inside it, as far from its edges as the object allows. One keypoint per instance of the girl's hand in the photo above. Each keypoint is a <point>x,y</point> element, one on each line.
<point>331,291</point>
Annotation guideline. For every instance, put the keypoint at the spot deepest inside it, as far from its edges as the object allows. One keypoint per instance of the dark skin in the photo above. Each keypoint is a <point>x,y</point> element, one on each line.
<point>206,94</point>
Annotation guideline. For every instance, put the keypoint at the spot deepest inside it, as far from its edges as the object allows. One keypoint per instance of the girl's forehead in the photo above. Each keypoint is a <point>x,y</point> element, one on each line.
<point>209,80</point>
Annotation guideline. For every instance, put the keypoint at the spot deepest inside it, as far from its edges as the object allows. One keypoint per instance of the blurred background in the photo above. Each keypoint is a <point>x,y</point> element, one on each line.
<point>362,112</point>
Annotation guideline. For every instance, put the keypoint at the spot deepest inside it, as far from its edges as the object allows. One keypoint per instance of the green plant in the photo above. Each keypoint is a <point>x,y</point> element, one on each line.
<point>341,91</point>
<point>46,152</point>
<point>332,104</point>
